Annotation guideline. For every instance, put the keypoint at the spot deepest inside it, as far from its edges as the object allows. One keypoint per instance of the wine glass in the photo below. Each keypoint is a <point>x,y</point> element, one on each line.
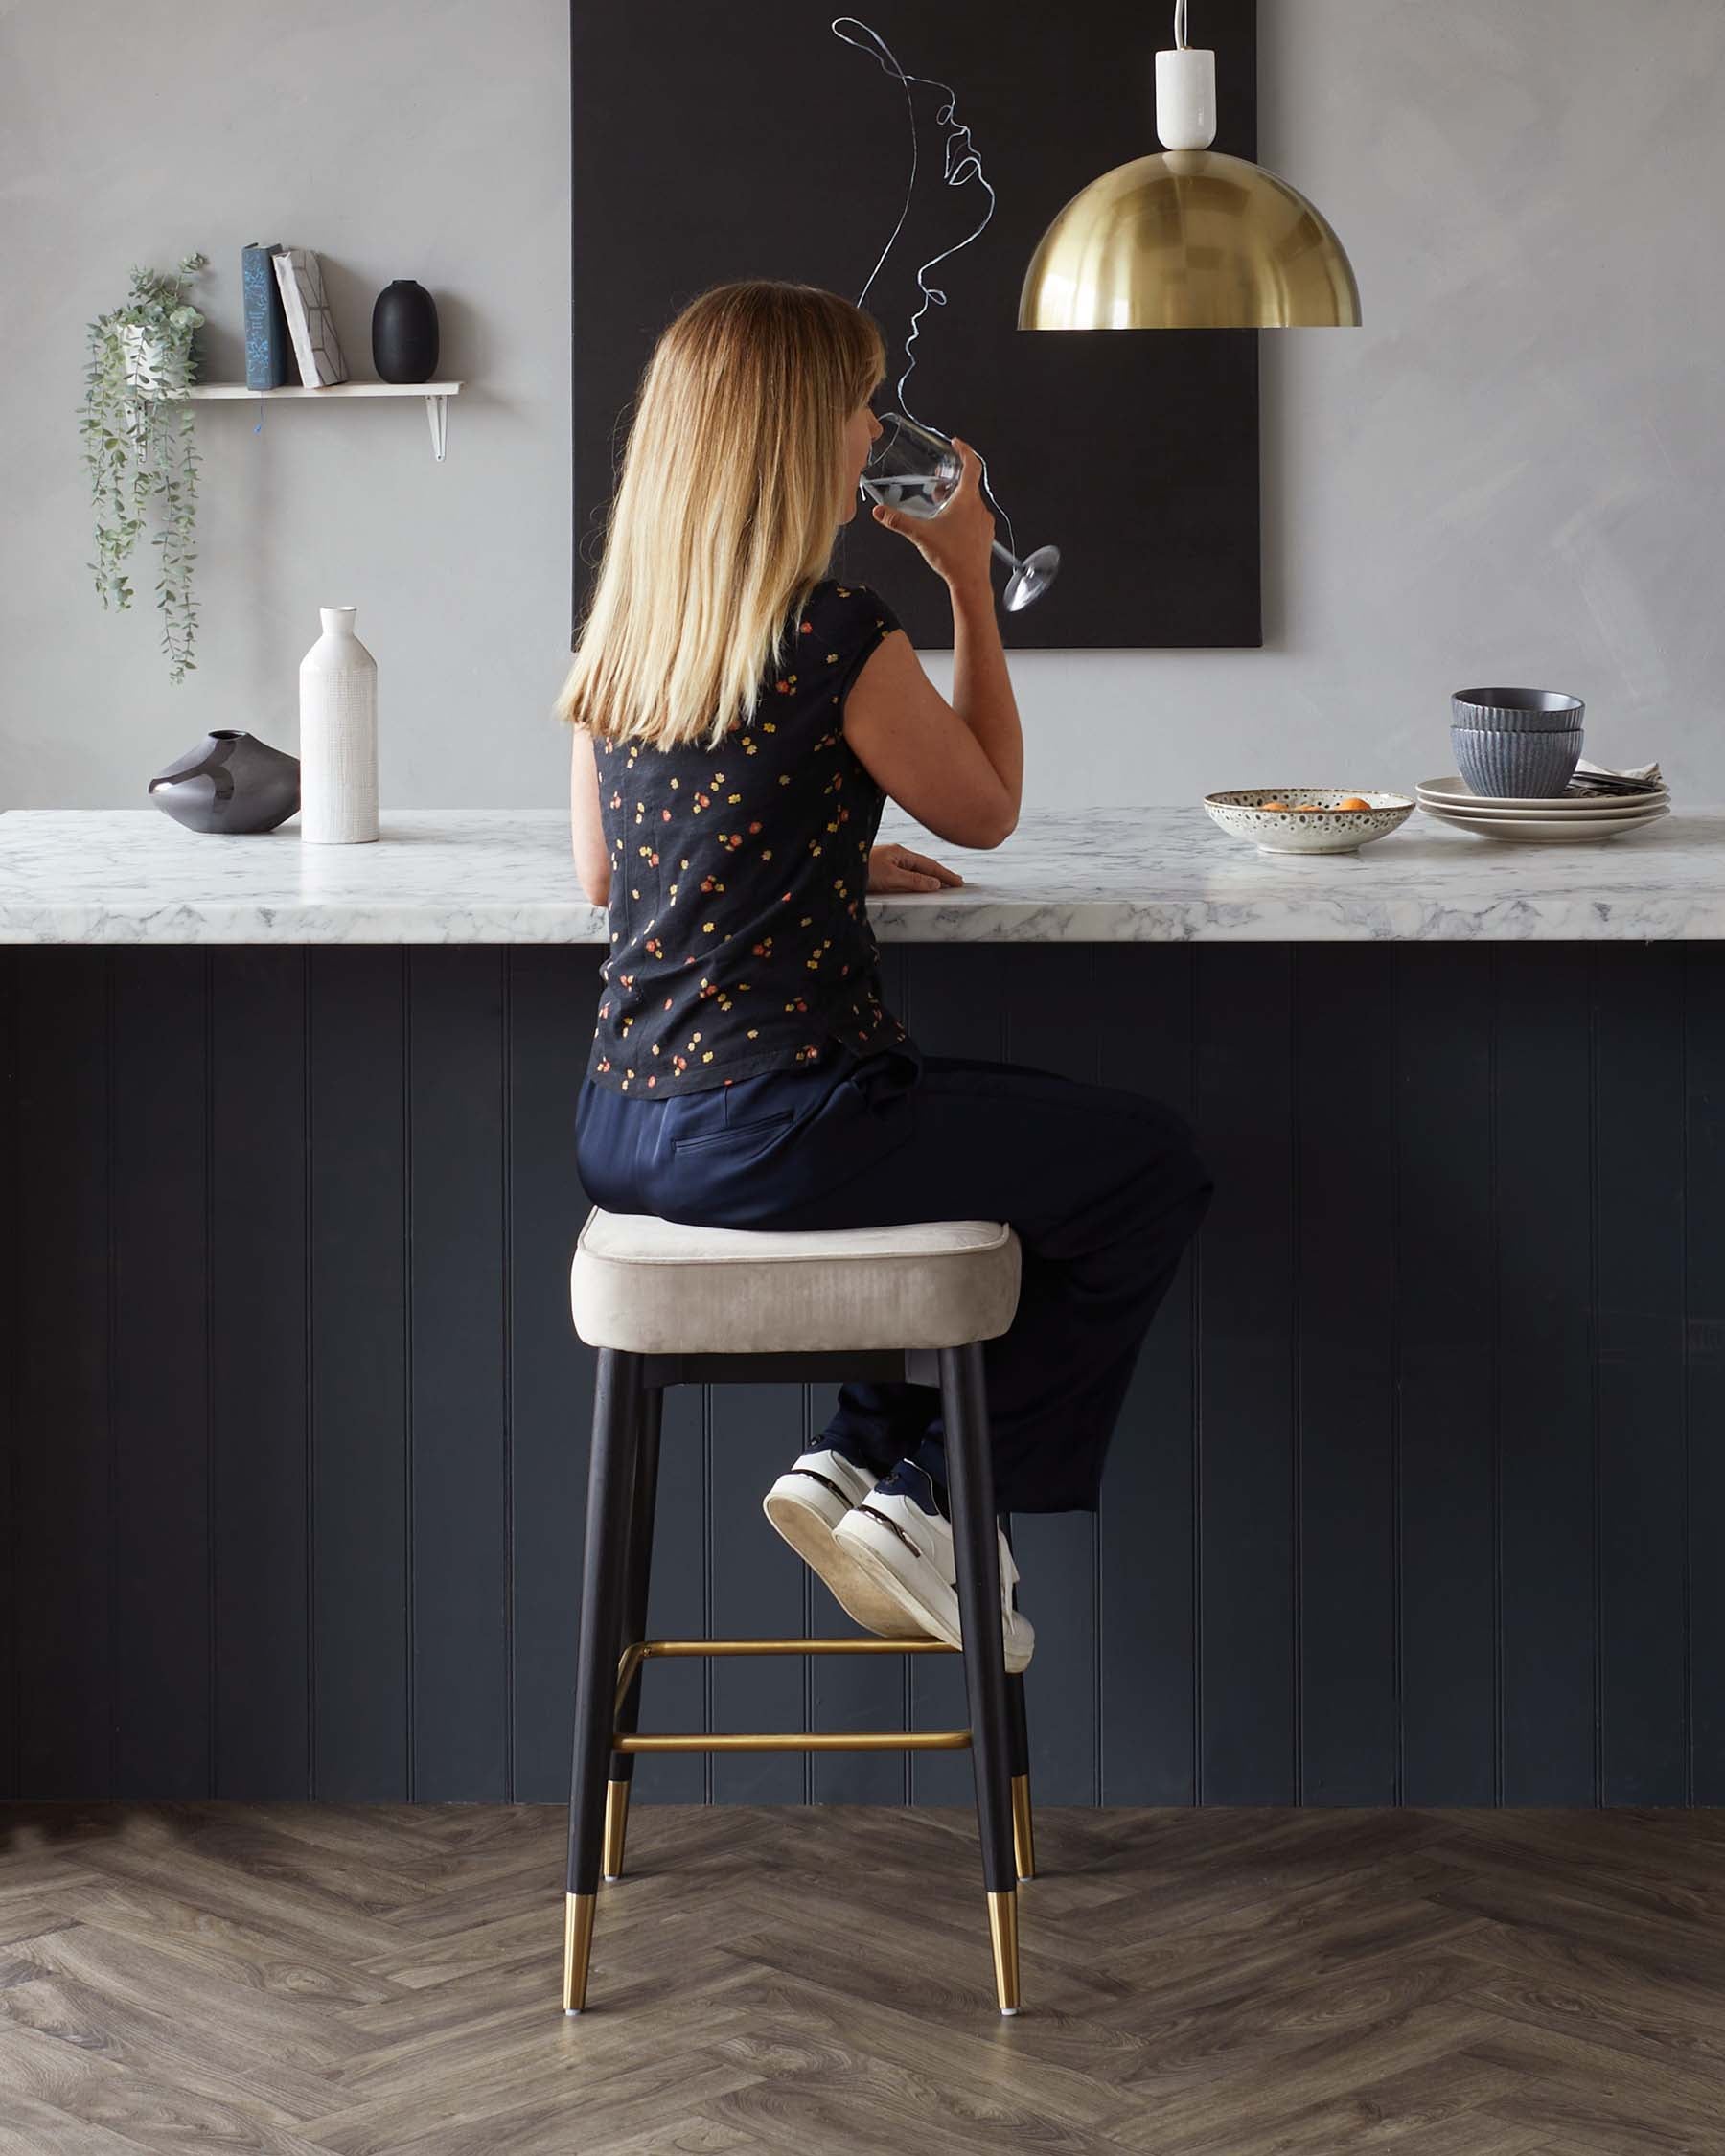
<point>915,470</point>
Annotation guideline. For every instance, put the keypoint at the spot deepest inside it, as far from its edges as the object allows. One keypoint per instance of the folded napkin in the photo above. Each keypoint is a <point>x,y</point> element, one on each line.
<point>1598,778</point>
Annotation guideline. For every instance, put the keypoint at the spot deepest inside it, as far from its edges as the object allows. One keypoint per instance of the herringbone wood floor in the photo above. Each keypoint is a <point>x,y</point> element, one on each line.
<point>305,1979</point>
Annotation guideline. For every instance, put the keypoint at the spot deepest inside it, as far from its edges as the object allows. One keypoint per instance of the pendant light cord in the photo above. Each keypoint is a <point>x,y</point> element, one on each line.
<point>1180,24</point>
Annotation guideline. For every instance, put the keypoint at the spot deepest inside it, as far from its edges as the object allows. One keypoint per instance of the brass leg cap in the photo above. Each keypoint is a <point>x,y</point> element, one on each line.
<point>616,1827</point>
<point>578,1946</point>
<point>1024,1833</point>
<point>1003,1929</point>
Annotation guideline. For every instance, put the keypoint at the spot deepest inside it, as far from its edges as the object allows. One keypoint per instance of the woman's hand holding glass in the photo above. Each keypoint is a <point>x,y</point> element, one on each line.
<point>915,477</point>
<point>958,542</point>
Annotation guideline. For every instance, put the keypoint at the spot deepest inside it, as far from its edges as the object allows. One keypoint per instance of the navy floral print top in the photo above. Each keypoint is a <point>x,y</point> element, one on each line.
<point>740,939</point>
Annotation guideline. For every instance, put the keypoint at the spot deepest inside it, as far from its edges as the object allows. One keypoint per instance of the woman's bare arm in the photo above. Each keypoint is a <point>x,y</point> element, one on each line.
<point>959,766</point>
<point>592,863</point>
<point>921,753</point>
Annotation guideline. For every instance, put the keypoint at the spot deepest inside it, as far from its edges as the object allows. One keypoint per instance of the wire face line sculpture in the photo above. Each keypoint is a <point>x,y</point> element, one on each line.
<point>961,163</point>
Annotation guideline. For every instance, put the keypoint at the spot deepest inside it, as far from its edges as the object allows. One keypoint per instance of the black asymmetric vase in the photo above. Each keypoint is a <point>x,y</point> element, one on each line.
<point>404,333</point>
<point>230,782</point>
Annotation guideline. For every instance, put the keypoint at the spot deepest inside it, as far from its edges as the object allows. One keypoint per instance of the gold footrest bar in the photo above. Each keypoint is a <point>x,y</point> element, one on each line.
<point>632,1659</point>
<point>860,1645</point>
<point>647,1650</point>
<point>801,1740</point>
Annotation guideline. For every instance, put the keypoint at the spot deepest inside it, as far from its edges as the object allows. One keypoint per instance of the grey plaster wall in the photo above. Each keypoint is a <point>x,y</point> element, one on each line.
<point>1513,471</point>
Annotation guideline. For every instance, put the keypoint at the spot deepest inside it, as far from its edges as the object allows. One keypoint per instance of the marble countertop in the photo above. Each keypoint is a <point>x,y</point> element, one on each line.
<point>134,876</point>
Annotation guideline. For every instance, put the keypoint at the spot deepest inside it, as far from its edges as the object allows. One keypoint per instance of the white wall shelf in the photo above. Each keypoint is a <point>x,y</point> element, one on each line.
<point>437,395</point>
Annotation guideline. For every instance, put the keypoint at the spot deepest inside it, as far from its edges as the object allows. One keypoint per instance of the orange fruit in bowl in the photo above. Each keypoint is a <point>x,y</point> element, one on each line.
<point>1302,807</point>
<point>1280,806</point>
<point>1353,801</point>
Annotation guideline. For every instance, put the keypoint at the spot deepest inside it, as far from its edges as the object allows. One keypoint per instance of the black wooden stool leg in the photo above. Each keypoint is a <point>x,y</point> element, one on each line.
<point>611,1489</point>
<point>1023,1830</point>
<point>644,1504</point>
<point>969,1485</point>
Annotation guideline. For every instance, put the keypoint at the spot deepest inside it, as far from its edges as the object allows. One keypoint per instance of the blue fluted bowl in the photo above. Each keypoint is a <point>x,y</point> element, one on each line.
<point>1516,767</point>
<point>1516,711</point>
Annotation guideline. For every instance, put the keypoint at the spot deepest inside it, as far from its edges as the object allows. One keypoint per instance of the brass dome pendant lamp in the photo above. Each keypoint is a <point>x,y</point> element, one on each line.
<point>1189,239</point>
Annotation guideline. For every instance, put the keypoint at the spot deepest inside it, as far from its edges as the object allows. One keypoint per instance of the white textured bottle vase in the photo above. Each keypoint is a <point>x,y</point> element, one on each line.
<point>338,736</point>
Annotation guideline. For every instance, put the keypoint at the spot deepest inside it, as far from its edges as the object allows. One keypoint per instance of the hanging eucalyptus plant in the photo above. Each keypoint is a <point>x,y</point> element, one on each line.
<point>142,364</point>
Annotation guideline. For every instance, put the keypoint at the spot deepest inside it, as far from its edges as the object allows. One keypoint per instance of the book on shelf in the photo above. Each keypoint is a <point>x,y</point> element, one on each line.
<point>311,325</point>
<point>268,356</point>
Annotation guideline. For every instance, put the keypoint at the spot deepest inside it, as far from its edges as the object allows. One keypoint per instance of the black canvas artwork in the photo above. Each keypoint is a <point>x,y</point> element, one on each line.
<point>717,141</point>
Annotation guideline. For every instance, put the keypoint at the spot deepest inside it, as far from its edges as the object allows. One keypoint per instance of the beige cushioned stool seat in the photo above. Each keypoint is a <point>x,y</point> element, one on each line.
<point>651,1286</point>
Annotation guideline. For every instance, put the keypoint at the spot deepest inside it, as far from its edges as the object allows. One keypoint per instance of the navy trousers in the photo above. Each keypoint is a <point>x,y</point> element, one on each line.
<point>1103,1188</point>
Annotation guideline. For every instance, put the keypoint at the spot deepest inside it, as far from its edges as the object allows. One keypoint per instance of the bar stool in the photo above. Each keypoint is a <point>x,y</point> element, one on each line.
<point>666,1304</point>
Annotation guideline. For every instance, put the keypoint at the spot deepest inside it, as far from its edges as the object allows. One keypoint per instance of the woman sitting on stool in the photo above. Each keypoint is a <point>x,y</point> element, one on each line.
<point>740,718</point>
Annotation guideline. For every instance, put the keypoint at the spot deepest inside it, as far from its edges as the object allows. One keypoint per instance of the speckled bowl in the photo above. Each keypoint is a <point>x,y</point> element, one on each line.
<point>1324,830</point>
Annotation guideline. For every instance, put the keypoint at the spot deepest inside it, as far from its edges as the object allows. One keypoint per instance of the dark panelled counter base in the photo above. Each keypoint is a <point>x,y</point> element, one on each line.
<point>1416,1499</point>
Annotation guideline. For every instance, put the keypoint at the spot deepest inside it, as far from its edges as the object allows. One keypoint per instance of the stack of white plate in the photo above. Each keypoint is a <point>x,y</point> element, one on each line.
<point>1569,819</point>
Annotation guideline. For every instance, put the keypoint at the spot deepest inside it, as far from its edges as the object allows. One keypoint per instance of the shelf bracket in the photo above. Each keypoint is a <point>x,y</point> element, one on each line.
<point>437,411</point>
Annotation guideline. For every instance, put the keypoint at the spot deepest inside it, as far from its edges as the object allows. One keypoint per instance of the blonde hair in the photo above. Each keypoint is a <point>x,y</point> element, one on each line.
<point>724,515</point>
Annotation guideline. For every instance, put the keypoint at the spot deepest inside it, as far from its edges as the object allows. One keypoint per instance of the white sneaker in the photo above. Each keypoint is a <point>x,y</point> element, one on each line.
<point>900,1539</point>
<point>806,1505</point>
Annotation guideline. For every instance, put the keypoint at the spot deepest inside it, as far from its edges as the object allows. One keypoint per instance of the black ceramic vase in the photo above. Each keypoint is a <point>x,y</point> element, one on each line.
<point>229,782</point>
<point>404,333</point>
